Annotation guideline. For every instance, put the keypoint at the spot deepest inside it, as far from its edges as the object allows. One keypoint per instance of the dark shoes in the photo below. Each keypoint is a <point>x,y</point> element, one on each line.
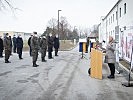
<point>111,76</point>
<point>7,61</point>
<point>1,56</point>
<point>35,65</point>
<point>44,60</point>
<point>20,58</point>
<point>56,55</point>
<point>50,58</point>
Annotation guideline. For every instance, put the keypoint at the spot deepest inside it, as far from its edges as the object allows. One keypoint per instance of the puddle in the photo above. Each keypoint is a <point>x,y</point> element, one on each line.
<point>35,75</point>
<point>34,81</point>
<point>5,73</point>
<point>22,81</point>
<point>22,67</point>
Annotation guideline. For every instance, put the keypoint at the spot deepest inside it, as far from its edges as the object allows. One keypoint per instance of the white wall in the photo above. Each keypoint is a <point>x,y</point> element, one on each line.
<point>124,20</point>
<point>106,29</point>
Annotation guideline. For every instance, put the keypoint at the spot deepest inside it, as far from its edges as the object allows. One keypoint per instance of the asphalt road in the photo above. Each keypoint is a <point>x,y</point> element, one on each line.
<point>63,78</point>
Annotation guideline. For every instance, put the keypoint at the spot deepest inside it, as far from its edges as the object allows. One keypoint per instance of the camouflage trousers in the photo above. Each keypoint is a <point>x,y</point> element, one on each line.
<point>34,55</point>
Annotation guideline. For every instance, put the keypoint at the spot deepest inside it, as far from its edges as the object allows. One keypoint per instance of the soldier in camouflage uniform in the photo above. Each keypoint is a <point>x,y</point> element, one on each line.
<point>7,44</point>
<point>43,46</point>
<point>34,47</point>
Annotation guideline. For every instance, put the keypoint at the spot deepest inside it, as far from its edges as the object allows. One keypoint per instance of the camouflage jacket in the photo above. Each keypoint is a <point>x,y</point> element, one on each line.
<point>34,43</point>
<point>7,43</point>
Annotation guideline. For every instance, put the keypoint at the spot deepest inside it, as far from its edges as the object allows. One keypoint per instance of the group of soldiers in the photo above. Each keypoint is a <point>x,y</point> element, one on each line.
<point>35,43</point>
<point>43,44</point>
<point>6,44</point>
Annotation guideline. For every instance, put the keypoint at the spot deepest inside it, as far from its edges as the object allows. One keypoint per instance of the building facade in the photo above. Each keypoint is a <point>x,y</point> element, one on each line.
<point>119,24</point>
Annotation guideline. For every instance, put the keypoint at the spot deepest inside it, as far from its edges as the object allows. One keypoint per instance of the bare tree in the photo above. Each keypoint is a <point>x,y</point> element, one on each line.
<point>6,5</point>
<point>63,27</point>
<point>52,23</point>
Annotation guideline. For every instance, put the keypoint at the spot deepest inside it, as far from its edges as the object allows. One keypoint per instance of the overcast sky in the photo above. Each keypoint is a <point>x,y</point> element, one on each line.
<point>34,14</point>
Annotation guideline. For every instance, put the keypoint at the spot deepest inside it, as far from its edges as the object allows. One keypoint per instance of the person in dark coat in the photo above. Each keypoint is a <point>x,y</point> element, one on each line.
<point>10,44</point>
<point>7,48</point>
<point>56,44</point>
<point>29,43</point>
<point>50,46</point>
<point>43,47</point>
<point>1,47</point>
<point>35,47</point>
<point>19,44</point>
<point>87,44</point>
<point>14,44</point>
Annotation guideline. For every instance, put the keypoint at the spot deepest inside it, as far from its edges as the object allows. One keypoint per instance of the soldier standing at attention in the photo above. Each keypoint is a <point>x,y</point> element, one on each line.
<point>14,43</point>
<point>56,44</point>
<point>34,47</point>
<point>29,43</point>
<point>1,47</point>
<point>50,46</point>
<point>19,44</point>
<point>7,44</point>
<point>43,46</point>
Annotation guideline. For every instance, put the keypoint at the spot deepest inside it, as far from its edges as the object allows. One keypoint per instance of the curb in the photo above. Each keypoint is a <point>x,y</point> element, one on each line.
<point>125,69</point>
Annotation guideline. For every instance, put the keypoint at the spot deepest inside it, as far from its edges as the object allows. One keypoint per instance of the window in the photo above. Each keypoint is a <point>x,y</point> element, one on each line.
<point>120,12</point>
<point>113,17</point>
<point>116,15</point>
<point>125,8</point>
<point>109,21</point>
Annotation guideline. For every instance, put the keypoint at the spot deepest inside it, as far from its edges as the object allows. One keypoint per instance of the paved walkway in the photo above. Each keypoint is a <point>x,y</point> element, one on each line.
<point>63,78</point>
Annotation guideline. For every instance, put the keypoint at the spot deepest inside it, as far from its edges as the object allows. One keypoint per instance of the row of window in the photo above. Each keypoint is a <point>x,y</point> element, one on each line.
<point>115,16</point>
<point>111,33</point>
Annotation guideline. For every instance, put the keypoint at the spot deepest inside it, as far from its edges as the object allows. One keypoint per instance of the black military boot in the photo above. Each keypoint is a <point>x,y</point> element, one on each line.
<point>6,61</point>
<point>34,64</point>
<point>43,59</point>
<point>20,57</point>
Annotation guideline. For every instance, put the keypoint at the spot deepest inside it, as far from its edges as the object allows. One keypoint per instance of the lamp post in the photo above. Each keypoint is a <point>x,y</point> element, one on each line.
<point>58,21</point>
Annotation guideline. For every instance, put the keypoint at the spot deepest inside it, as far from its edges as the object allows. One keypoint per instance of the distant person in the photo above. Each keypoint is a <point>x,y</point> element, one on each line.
<point>29,43</point>
<point>43,47</point>
<point>1,47</point>
<point>91,45</point>
<point>56,44</point>
<point>14,44</point>
<point>34,47</point>
<point>50,46</point>
<point>10,44</point>
<point>110,57</point>
<point>7,48</point>
<point>87,44</point>
<point>19,44</point>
